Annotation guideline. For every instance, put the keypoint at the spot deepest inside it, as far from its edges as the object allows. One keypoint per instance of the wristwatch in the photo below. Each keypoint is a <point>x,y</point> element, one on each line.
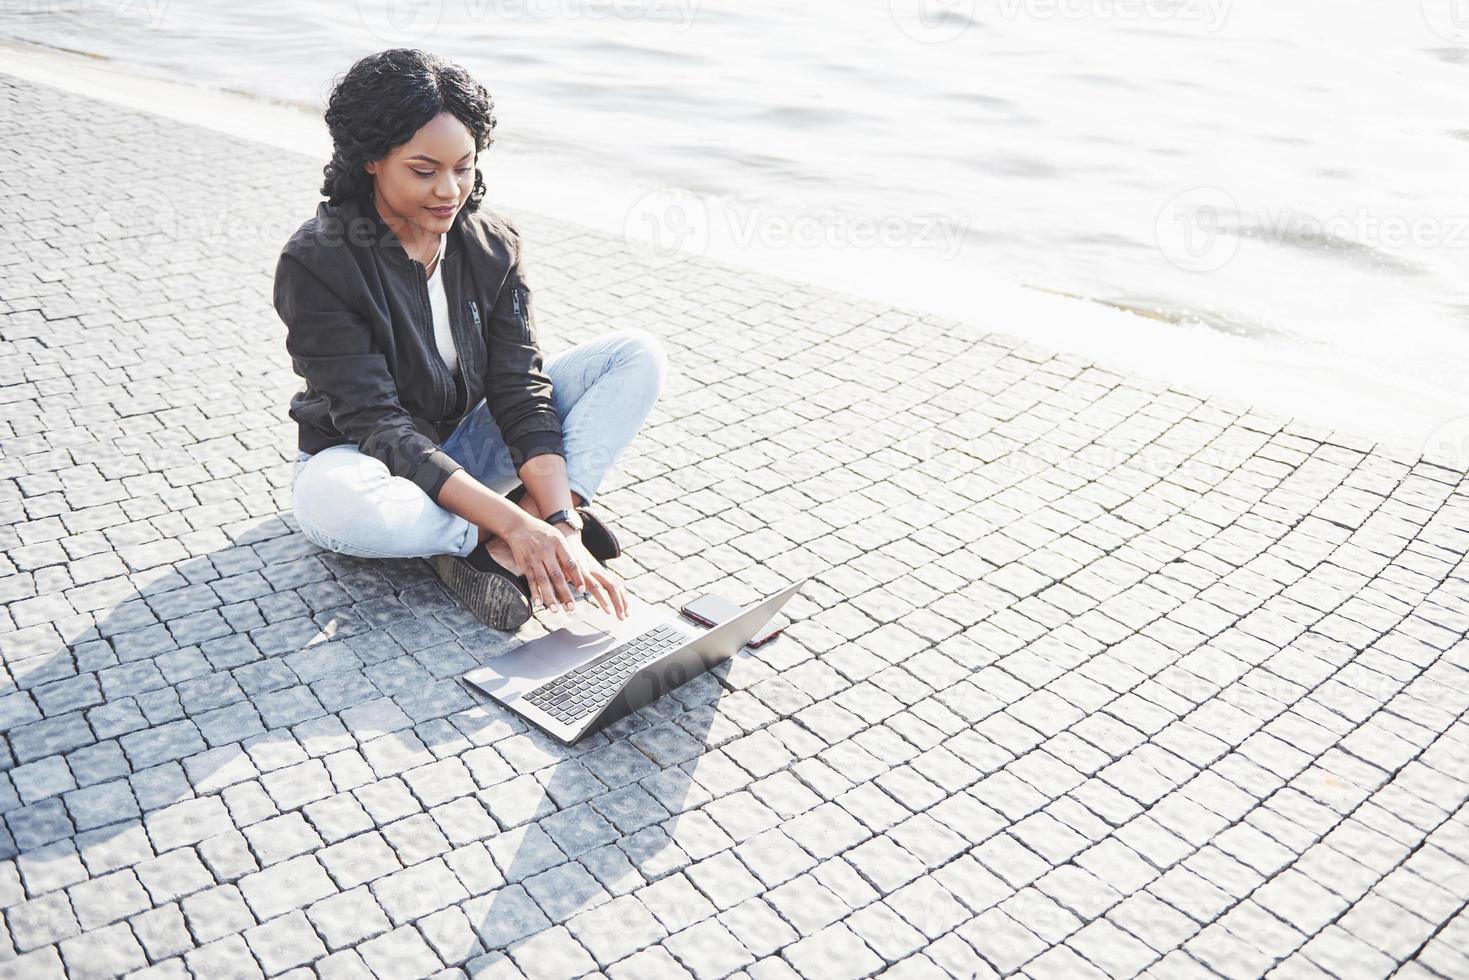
<point>568,517</point>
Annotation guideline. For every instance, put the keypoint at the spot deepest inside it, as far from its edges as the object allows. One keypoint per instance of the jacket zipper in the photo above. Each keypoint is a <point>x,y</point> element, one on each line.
<point>461,349</point>
<point>520,316</point>
<point>436,364</point>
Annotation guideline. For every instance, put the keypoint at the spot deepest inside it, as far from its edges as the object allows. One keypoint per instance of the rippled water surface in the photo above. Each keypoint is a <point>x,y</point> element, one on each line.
<point>1291,173</point>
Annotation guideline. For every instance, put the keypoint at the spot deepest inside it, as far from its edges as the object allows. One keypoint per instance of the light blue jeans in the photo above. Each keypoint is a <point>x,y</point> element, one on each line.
<point>346,501</point>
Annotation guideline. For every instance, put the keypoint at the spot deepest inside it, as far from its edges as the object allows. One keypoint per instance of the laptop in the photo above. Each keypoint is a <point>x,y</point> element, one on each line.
<point>583,675</point>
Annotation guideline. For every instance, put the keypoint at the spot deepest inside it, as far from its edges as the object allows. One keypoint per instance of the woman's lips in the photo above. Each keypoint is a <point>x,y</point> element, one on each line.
<point>443,212</point>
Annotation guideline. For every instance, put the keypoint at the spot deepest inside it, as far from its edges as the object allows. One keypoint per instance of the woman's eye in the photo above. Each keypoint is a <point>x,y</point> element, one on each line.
<point>464,170</point>
<point>422,174</point>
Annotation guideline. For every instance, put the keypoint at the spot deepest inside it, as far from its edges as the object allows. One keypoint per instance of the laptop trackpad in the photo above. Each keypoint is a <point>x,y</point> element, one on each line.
<point>531,664</point>
<point>512,674</point>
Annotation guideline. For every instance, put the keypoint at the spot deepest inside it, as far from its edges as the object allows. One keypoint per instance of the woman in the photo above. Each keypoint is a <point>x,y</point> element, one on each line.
<point>409,316</point>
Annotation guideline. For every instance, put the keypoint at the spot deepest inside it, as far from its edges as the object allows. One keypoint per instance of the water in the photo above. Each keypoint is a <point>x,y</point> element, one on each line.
<point>1277,189</point>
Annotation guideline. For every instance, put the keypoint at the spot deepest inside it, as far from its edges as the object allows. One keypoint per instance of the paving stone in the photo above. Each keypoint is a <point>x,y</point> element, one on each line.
<point>107,899</point>
<point>551,953</point>
<point>41,921</point>
<point>414,892</point>
<point>226,957</point>
<point>504,916</point>
<point>289,885</point>
<point>565,890</point>
<point>833,952</point>
<point>400,955</point>
<point>162,933</point>
<point>348,918</point>
<point>217,912</point>
<point>173,875</point>
<point>359,859</point>
<point>615,929</point>
<point>106,952</point>
<point>284,942</point>
<point>187,822</point>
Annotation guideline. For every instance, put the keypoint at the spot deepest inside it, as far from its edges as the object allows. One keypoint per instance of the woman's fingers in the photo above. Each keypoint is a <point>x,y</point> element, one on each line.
<point>614,590</point>
<point>559,589</point>
<point>599,593</point>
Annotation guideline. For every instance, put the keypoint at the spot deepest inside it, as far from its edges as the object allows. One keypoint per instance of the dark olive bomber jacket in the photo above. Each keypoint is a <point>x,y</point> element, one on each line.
<point>359,330</point>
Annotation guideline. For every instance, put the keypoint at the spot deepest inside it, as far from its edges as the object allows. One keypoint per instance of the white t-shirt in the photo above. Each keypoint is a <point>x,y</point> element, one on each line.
<point>439,302</point>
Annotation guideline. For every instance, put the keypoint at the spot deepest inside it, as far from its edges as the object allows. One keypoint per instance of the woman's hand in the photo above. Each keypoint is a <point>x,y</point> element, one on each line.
<point>553,561</point>
<point>602,583</point>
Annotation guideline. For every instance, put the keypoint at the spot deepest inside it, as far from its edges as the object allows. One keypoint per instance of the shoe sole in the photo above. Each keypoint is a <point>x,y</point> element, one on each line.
<point>494,599</point>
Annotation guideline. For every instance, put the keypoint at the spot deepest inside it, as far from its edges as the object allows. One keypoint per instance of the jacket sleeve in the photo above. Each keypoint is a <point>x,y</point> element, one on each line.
<point>517,390</point>
<point>331,347</point>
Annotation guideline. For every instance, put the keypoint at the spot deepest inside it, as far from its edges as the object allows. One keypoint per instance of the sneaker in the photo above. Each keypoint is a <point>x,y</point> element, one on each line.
<point>600,542</point>
<point>496,595</point>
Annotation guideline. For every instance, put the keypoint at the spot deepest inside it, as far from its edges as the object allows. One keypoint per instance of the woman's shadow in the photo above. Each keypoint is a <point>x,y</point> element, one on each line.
<point>231,686</point>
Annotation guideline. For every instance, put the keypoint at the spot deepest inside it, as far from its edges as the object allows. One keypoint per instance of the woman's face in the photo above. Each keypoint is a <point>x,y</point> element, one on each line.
<point>433,170</point>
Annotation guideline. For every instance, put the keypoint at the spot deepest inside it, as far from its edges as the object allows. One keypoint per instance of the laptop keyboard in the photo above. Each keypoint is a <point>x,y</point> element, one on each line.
<point>586,689</point>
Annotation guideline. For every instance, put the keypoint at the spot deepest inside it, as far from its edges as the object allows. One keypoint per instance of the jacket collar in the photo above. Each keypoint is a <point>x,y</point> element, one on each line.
<point>362,213</point>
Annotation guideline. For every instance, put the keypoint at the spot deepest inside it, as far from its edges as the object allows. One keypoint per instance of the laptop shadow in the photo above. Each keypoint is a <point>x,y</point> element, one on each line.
<point>603,818</point>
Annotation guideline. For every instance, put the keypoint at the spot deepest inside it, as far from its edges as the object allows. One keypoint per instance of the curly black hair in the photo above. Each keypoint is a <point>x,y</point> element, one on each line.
<point>384,99</point>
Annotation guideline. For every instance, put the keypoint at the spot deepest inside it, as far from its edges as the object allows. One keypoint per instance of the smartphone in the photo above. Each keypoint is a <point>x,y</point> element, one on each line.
<point>711,610</point>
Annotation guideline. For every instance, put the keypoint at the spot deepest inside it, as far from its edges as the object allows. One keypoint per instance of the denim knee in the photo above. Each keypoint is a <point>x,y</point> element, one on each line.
<point>350,504</point>
<point>641,350</point>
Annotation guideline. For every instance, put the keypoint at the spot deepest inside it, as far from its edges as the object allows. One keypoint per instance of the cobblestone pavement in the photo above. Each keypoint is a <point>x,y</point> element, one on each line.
<point>1094,676</point>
